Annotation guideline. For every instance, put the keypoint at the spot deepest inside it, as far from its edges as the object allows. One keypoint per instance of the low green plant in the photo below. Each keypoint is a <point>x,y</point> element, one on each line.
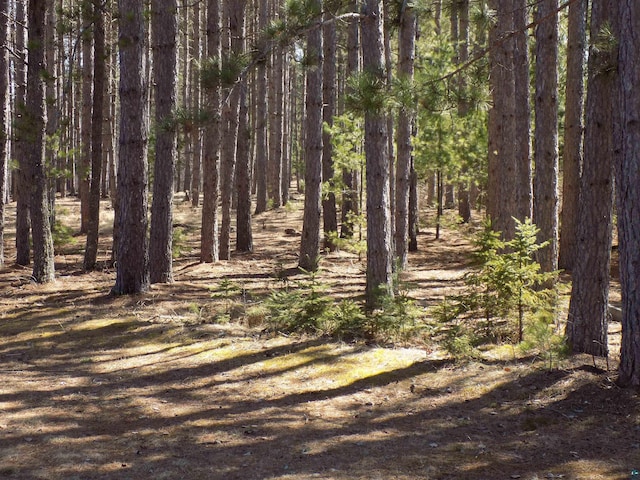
<point>62,235</point>
<point>543,337</point>
<point>179,242</point>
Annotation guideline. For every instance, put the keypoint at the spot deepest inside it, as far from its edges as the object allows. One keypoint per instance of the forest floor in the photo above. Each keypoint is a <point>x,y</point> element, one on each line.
<point>166,386</point>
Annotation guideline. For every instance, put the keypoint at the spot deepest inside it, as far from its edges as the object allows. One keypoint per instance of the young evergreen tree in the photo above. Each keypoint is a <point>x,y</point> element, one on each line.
<point>132,261</point>
<point>588,309</point>
<point>379,250</point>
<point>628,194</point>
<point>310,242</point>
<point>99,86</point>
<point>32,125</point>
<point>164,32</point>
<point>573,132</point>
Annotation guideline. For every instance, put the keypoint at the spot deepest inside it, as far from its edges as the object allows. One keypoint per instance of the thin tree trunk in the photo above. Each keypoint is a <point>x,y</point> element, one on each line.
<point>164,31</point>
<point>132,261</point>
<point>573,133</point>
<point>244,236</point>
<point>261,149</point>
<point>93,221</point>
<point>209,247</point>
<point>196,165</point>
<point>310,242</point>
<point>545,212</point>
<point>84,170</point>
<point>4,91</point>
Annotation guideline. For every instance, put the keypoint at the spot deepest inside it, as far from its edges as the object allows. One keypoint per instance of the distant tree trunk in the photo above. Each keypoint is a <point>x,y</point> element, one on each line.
<point>196,141</point>
<point>22,189</point>
<point>229,149</point>
<point>261,151</point>
<point>573,133</point>
<point>545,210</point>
<point>406,54</point>
<point>310,242</point>
<point>132,264</point>
<point>588,309</point>
<point>501,195</point>
<point>275,115</point>
<point>84,170</point>
<point>244,236</point>
<point>379,251</point>
<point>209,247</point>
<point>413,209</point>
<point>628,179</point>
<point>4,91</point>
<point>164,31</point>
<point>34,126</point>
<point>329,213</point>
<point>99,86</point>
<point>350,177</point>
<point>524,194</point>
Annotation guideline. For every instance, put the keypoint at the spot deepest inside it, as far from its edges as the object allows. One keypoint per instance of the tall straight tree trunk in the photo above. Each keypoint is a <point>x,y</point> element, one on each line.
<point>261,151</point>
<point>588,309</point>
<point>524,193</point>
<point>545,211</point>
<point>244,235</point>
<point>51,104</point>
<point>132,261</point>
<point>573,133</point>
<point>84,169</point>
<point>209,248</point>
<point>628,179</point>
<point>310,243</point>
<point>231,112</point>
<point>329,213</point>
<point>275,116</point>
<point>196,141</point>
<point>164,33</point>
<point>406,55</point>
<point>99,86</point>
<point>501,195</point>
<point>464,200</point>
<point>376,146</point>
<point>350,176</point>
<point>34,127</point>
<point>23,221</point>
<point>4,96</point>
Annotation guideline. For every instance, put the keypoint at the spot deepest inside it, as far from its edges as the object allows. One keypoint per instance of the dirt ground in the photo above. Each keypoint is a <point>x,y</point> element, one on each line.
<point>165,386</point>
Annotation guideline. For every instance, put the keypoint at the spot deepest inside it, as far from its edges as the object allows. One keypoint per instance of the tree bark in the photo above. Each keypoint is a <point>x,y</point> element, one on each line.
<point>310,242</point>
<point>209,245</point>
<point>84,169</point>
<point>379,251</point>
<point>545,210</point>
<point>573,133</point>
<point>4,91</point>
<point>93,220</point>
<point>588,309</point>
<point>164,31</point>
<point>34,127</point>
<point>132,261</point>
<point>244,236</point>
<point>628,194</point>
<point>261,151</point>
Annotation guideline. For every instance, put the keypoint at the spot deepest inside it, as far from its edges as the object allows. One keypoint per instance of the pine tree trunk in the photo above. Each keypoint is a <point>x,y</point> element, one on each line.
<point>84,169</point>
<point>261,151</point>
<point>464,202</point>
<point>244,236</point>
<point>93,220</point>
<point>196,140</point>
<point>573,133</point>
<point>209,247</point>
<point>34,127</point>
<point>164,32</point>
<point>628,179</point>
<point>132,261</point>
<point>329,213</point>
<point>4,91</point>
<point>588,310</point>
<point>545,210</point>
<point>23,220</point>
<point>310,243</point>
<point>406,54</point>
<point>379,254</point>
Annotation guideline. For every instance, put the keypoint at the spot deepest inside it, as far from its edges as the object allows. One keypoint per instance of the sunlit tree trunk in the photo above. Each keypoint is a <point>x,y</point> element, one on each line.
<point>379,252</point>
<point>244,235</point>
<point>310,242</point>
<point>34,128</point>
<point>4,91</point>
<point>84,169</point>
<point>164,32</point>
<point>329,213</point>
<point>99,86</point>
<point>209,245</point>
<point>406,54</point>
<point>261,151</point>
<point>464,201</point>
<point>588,309</point>
<point>573,132</point>
<point>196,140</point>
<point>628,179</point>
<point>132,261</point>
